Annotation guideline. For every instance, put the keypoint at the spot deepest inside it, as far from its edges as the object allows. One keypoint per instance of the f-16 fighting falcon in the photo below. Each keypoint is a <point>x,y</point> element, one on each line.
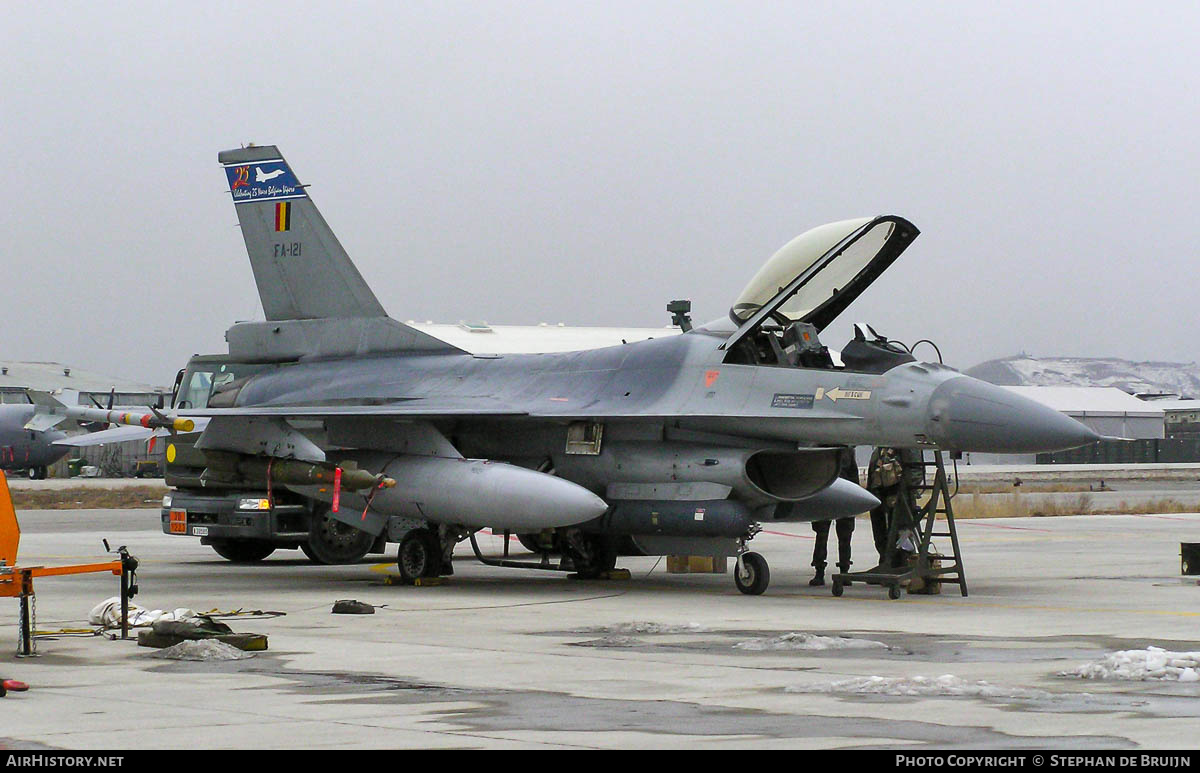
<point>686,444</point>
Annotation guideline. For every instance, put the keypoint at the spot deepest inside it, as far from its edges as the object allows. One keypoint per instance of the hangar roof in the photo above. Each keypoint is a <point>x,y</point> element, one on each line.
<point>49,376</point>
<point>1172,406</point>
<point>1090,401</point>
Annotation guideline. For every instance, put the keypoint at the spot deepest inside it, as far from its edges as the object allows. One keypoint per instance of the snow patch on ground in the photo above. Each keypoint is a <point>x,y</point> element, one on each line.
<point>612,641</point>
<point>647,627</point>
<point>935,686</point>
<point>1150,664</point>
<point>202,649</point>
<point>808,641</point>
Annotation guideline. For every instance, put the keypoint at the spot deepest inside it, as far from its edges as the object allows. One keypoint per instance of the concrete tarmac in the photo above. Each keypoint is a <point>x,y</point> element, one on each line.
<point>504,658</point>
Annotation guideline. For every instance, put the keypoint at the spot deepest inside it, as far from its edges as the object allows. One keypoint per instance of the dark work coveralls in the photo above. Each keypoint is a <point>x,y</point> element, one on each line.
<point>887,489</point>
<point>845,528</point>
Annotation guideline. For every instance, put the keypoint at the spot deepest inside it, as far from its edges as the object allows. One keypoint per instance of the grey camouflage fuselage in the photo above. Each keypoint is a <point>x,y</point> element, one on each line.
<point>22,448</point>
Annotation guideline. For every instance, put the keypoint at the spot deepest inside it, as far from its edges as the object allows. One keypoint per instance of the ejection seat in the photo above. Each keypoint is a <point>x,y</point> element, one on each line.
<point>870,352</point>
<point>804,347</point>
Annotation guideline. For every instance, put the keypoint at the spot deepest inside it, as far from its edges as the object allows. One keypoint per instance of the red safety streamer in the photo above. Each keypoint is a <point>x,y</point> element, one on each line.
<point>370,499</point>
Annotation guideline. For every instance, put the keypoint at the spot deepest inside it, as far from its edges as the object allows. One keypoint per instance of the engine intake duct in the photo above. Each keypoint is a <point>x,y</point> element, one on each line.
<point>792,475</point>
<point>668,518</point>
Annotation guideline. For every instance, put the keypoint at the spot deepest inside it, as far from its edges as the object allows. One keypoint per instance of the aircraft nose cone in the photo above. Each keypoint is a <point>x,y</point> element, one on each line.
<point>966,414</point>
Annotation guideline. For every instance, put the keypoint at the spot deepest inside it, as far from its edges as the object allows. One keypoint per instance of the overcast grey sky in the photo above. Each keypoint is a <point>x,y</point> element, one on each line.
<point>587,162</point>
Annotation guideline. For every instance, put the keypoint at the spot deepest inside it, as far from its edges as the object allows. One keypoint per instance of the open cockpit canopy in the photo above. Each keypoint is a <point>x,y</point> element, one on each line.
<point>815,276</point>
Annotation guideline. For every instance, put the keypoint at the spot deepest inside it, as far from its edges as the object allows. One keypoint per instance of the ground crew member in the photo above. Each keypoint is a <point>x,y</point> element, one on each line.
<point>845,529</point>
<point>883,480</point>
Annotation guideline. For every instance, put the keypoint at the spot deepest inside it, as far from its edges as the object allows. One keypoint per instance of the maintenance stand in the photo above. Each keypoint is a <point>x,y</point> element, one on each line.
<point>926,565</point>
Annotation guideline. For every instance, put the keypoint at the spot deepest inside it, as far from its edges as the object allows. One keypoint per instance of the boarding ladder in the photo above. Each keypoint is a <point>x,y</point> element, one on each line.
<point>926,566</point>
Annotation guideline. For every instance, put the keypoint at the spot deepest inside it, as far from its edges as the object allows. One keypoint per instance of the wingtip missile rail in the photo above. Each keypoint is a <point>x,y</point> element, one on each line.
<point>151,420</point>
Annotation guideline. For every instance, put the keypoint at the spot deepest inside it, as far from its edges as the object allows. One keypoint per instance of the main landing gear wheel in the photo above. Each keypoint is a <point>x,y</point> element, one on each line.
<point>534,543</point>
<point>420,555</point>
<point>242,551</point>
<point>529,542</point>
<point>603,558</point>
<point>751,574</point>
<point>37,473</point>
<point>332,542</point>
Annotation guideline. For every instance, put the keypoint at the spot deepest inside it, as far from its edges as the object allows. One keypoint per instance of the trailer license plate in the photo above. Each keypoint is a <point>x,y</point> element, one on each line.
<point>199,531</point>
<point>179,522</point>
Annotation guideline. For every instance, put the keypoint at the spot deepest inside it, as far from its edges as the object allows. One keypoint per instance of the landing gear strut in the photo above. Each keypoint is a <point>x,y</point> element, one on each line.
<point>588,556</point>
<point>751,574</point>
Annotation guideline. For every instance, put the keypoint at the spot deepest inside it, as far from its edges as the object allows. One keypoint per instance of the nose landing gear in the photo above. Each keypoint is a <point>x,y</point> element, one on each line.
<point>751,574</point>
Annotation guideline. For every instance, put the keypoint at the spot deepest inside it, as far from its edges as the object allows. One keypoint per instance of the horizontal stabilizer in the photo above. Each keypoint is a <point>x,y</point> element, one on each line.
<point>49,413</point>
<point>44,399</point>
<point>327,338</point>
<point>40,422</point>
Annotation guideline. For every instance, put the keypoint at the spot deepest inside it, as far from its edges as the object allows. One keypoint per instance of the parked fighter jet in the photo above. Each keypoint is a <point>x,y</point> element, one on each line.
<point>687,442</point>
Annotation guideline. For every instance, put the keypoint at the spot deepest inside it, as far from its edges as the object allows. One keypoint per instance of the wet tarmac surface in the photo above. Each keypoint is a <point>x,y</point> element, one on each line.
<point>500,658</point>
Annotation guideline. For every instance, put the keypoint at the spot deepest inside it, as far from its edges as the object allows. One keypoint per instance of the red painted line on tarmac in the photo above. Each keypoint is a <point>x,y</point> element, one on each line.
<point>1002,526</point>
<point>1165,517</point>
<point>786,534</point>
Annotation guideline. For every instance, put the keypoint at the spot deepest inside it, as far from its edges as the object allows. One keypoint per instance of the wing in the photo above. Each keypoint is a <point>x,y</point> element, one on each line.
<point>416,409</point>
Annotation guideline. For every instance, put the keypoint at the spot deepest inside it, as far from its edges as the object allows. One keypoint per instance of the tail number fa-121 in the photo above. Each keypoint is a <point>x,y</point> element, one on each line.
<point>286,250</point>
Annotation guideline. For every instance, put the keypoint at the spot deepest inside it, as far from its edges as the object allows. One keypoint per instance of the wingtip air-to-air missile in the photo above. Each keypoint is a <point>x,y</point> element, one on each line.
<point>683,444</point>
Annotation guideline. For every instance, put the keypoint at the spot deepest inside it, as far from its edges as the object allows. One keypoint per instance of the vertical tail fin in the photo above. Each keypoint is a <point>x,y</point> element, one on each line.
<point>316,302</point>
<point>301,269</point>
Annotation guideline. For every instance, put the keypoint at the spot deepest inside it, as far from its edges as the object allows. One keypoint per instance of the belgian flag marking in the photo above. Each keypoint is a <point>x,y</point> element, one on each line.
<point>283,216</point>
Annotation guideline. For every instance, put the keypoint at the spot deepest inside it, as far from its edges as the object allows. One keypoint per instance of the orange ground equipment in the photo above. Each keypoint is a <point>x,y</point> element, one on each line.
<point>17,581</point>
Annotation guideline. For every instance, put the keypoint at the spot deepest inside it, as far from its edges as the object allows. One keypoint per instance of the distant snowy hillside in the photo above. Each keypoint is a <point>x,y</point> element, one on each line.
<point>1181,378</point>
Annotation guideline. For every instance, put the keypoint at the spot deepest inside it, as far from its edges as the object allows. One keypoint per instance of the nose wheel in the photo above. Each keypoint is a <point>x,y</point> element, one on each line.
<point>751,574</point>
